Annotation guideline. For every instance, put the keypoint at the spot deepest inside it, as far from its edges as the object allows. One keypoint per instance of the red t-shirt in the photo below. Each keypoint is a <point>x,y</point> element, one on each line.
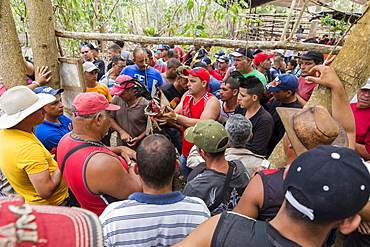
<point>305,89</point>
<point>362,118</point>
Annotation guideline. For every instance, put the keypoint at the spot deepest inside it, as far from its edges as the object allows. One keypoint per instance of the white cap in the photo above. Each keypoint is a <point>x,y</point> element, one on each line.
<point>367,85</point>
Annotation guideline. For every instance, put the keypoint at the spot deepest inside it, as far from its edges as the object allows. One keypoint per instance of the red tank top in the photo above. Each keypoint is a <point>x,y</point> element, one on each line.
<point>193,110</point>
<point>74,172</point>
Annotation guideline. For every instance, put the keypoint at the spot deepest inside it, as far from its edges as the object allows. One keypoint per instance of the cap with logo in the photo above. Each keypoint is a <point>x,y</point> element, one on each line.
<point>119,85</point>
<point>283,82</point>
<point>209,135</point>
<point>202,73</point>
<point>48,90</point>
<point>335,181</point>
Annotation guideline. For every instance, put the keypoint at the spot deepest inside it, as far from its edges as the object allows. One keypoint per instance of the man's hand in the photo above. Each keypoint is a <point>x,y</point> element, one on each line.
<point>133,141</point>
<point>325,76</point>
<point>127,154</point>
<point>125,136</point>
<point>364,228</point>
<point>169,116</point>
<point>42,75</point>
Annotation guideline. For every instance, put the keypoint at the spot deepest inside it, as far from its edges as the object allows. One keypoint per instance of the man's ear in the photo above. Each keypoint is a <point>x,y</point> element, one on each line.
<point>235,92</point>
<point>177,166</point>
<point>250,136</point>
<point>255,98</point>
<point>205,84</point>
<point>98,119</point>
<point>136,170</point>
<point>350,224</point>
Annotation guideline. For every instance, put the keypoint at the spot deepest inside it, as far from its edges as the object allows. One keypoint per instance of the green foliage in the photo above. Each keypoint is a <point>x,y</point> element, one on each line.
<point>189,18</point>
<point>338,27</point>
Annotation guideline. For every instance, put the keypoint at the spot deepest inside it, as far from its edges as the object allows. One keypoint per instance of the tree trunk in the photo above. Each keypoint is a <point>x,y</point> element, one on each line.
<point>352,66</point>
<point>44,46</point>
<point>12,69</point>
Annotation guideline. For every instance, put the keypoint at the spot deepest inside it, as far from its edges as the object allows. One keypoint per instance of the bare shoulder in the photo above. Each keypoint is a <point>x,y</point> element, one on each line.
<point>104,161</point>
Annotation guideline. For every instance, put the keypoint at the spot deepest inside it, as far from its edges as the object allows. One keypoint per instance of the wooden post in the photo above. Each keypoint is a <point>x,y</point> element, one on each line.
<point>12,69</point>
<point>288,20</point>
<point>298,20</point>
<point>44,45</point>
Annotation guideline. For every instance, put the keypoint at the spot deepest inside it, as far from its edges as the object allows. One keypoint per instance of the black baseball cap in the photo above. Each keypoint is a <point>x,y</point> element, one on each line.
<point>242,52</point>
<point>335,180</point>
<point>313,55</point>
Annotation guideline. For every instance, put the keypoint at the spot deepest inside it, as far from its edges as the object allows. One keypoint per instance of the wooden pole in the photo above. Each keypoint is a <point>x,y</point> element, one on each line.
<point>199,41</point>
<point>282,38</point>
<point>43,40</point>
<point>12,69</point>
<point>298,20</point>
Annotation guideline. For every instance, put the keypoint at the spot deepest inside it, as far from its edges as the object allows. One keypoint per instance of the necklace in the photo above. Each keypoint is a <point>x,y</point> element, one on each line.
<point>99,144</point>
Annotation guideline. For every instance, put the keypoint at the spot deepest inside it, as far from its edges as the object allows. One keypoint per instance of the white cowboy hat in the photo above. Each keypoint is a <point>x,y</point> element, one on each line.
<point>18,103</point>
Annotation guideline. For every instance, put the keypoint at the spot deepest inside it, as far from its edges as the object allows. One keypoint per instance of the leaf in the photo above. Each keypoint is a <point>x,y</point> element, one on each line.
<point>190,5</point>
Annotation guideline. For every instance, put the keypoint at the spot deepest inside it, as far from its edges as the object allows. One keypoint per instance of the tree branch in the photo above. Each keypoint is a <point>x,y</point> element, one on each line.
<point>199,41</point>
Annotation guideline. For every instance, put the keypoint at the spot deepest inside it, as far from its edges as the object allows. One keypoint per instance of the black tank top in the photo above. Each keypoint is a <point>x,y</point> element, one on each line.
<point>273,196</point>
<point>235,230</point>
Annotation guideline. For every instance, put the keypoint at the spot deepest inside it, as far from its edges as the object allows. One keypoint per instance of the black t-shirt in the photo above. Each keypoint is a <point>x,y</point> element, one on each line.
<point>100,64</point>
<point>170,92</point>
<point>109,66</point>
<point>262,129</point>
<point>357,239</point>
<point>188,57</point>
<point>237,230</point>
<point>279,129</point>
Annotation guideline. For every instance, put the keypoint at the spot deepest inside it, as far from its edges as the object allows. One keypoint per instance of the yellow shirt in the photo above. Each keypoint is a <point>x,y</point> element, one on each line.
<point>21,153</point>
<point>102,89</point>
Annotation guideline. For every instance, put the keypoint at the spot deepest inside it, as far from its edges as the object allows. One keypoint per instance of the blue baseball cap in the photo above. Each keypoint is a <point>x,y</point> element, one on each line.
<point>48,90</point>
<point>163,47</point>
<point>206,60</point>
<point>219,54</point>
<point>283,82</point>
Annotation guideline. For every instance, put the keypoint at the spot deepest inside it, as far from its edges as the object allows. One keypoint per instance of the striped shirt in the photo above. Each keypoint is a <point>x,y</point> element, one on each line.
<point>152,220</point>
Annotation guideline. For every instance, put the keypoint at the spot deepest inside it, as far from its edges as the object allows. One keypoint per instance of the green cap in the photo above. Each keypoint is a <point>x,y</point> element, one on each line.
<point>209,135</point>
<point>180,69</point>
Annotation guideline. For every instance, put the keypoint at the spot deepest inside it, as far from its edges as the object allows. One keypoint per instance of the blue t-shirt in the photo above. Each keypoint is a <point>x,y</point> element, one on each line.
<point>149,77</point>
<point>214,87</point>
<point>50,133</point>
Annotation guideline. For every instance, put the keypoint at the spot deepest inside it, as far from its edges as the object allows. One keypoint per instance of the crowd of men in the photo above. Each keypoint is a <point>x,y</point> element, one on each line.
<point>218,123</point>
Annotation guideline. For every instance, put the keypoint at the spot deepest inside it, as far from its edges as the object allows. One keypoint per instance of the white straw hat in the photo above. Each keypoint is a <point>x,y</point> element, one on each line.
<point>18,103</point>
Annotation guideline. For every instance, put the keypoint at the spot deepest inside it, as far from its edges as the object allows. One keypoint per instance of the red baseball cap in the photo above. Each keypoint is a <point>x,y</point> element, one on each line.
<point>200,72</point>
<point>260,57</point>
<point>91,102</point>
<point>43,225</point>
<point>119,86</point>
